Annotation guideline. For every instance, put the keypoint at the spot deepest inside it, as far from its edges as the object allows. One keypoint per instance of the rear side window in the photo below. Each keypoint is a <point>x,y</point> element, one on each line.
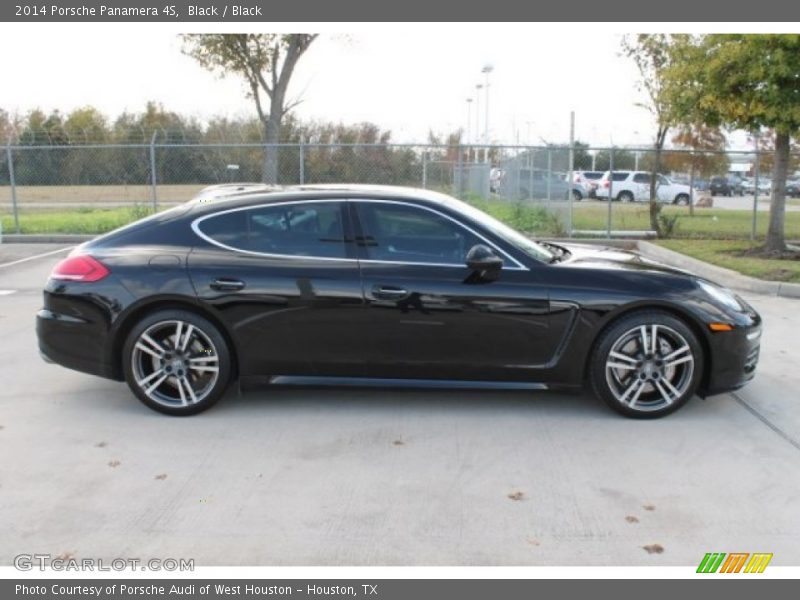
<point>619,176</point>
<point>641,178</point>
<point>302,229</point>
<point>592,175</point>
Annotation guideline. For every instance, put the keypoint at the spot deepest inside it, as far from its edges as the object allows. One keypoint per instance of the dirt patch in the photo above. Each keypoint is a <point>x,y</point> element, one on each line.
<point>516,496</point>
<point>631,519</point>
<point>653,548</point>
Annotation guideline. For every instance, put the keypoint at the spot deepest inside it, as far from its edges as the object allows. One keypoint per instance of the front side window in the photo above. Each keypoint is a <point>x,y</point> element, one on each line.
<point>402,233</point>
<point>311,229</point>
<point>641,178</point>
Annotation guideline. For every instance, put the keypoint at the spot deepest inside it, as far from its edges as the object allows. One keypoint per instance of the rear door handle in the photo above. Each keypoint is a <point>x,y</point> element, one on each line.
<point>388,292</point>
<point>227,285</point>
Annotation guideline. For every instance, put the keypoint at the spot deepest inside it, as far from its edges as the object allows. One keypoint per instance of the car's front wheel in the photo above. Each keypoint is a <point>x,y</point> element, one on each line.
<point>646,365</point>
<point>176,362</point>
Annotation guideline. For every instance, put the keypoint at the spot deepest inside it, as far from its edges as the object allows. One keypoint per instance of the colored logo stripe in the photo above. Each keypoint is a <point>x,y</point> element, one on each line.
<point>734,562</point>
<point>758,562</point>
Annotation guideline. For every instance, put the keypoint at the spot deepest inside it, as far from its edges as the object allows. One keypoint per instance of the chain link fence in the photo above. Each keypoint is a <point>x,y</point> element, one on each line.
<point>547,190</point>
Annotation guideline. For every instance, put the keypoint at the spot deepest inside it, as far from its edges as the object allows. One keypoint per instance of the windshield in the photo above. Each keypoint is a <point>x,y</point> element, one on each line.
<point>507,234</point>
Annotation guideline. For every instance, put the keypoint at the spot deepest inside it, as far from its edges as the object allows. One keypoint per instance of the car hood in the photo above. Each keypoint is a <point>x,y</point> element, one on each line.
<point>602,257</point>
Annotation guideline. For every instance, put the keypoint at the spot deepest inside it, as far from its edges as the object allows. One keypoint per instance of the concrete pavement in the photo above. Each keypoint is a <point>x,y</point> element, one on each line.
<point>313,476</point>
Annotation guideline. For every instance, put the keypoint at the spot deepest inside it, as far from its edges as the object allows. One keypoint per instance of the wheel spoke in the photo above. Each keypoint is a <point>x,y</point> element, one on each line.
<point>179,381</point>
<point>653,339</point>
<point>620,366</point>
<point>620,356</point>
<point>671,388</point>
<point>148,350</point>
<point>635,388</point>
<point>143,382</point>
<point>189,389</point>
<point>679,361</point>
<point>158,382</point>
<point>663,392</point>
<point>201,360</point>
<point>186,337</point>
<point>643,331</point>
<point>178,330</point>
<point>677,352</point>
<point>154,344</point>
<point>204,368</point>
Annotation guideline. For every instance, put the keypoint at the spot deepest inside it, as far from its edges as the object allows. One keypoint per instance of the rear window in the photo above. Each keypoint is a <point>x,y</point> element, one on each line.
<point>592,174</point>
<point>302,229</point>
<point>617,176</point>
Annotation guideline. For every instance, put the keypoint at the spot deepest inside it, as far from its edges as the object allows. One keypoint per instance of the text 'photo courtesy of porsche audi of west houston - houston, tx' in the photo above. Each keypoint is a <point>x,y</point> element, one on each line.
<point>351,281</point>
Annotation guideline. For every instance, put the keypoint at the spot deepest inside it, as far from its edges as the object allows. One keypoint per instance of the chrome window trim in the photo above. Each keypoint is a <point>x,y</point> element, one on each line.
<point>195,225</point>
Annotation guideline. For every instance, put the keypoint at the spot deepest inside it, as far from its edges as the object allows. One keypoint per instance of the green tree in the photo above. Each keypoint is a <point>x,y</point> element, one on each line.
<point>747,82</point>
<point>653,56</point>
<point>267,62</point>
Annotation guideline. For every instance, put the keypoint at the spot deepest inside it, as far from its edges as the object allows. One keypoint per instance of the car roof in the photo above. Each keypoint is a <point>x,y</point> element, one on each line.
<point>242,194</point>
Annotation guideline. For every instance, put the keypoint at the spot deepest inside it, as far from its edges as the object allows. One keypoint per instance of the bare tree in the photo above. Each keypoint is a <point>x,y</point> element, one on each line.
<point>266,61</point>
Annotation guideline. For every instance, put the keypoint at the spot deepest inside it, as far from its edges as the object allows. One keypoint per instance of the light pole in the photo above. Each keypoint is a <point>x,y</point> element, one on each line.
<point>487,69</point>
<point>469,119</point>
<point>478,88</point>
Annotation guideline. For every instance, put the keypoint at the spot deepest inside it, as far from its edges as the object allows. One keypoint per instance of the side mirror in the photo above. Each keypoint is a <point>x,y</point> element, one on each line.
<point>484,262</point>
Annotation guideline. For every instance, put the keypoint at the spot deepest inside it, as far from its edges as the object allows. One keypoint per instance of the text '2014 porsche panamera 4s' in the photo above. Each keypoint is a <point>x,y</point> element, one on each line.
<point>383,283</point>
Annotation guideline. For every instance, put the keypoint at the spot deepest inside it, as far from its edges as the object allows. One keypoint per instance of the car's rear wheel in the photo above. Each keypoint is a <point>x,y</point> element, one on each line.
<point>176,362</point>
<point>625,197</point>
<point>682,200</point>
<point>646,365</point>
<point>576,196</point>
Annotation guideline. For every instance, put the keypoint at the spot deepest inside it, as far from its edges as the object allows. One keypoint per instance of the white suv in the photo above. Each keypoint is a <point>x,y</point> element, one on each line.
<point>634,186</point>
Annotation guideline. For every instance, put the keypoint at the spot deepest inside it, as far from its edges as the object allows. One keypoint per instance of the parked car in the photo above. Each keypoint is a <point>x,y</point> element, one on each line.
<point>726,186</point>
<point>382,282</point>
<point>634,186</point>
<point>764,186</point>
<point>590,180</point>
<point>793,188</point>
<point>541,184</point>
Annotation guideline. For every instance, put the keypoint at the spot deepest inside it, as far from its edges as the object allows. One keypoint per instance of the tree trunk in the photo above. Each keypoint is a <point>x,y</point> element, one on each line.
<point>272,135</point>
<point>655,209</point>
<point>777,208</point>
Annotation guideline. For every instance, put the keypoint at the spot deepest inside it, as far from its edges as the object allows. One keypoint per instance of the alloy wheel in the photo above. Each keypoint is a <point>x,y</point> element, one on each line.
<point>649,367</point>
<point>175,363</point>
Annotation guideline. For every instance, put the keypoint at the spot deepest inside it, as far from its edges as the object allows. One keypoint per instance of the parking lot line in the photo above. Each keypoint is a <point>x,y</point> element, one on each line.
<point>34,257</point>
<point>6,292</point>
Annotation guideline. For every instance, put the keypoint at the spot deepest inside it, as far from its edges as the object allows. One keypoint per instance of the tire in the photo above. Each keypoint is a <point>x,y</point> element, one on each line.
<point>641,384</point>
<point>576,196</point>
<point>625,197</point>
<point>682,200</point>
<point>176,362</point>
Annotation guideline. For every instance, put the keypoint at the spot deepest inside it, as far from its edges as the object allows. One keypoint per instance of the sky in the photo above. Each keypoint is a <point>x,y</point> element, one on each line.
<point>404,77</point>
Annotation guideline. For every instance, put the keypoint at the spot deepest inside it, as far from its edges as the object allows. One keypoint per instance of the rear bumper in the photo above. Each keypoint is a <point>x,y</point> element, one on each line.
<point>73,343</point>
<point>734,358</point>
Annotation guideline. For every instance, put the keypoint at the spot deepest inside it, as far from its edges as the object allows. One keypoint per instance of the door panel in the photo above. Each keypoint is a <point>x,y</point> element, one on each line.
<point>433,318</point>
<point>286,313</point>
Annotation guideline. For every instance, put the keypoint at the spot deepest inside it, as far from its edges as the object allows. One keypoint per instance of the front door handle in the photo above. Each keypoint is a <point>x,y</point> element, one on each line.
<point>388,292</point>
<point>227,285</point>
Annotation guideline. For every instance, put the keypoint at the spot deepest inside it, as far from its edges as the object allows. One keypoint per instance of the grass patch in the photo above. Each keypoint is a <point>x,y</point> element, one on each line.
<point>727,253</point>
<point>82,220</point>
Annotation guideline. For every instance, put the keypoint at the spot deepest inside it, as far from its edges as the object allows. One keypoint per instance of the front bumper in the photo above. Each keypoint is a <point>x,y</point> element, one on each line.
<point>734,358</point>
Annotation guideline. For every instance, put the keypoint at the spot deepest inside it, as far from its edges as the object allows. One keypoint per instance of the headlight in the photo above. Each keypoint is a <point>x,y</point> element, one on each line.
<point>722,295</point>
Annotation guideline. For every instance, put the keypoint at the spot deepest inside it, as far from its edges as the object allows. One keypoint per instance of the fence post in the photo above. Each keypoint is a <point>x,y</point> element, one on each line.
<point>753,226</point>
<point>302,159</point>
<point>13,185</point>
<point>460,171</point>
<point>691,184</point>
<point>549,173</point>
<point>425,168</point>
<point>153,192</point>
<point>610,191</point>
<point>571,174</point>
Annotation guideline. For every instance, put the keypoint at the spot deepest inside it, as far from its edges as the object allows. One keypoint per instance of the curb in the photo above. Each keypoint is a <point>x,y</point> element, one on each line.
<point>45,238</point>
<point>727,276</point>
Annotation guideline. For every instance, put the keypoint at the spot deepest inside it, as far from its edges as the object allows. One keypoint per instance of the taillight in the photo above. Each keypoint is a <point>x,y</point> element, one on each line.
<point>606,184</point>
<point>82,268</point>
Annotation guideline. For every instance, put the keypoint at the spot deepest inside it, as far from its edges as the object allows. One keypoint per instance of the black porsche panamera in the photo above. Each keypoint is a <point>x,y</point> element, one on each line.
<point>378,282</point>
